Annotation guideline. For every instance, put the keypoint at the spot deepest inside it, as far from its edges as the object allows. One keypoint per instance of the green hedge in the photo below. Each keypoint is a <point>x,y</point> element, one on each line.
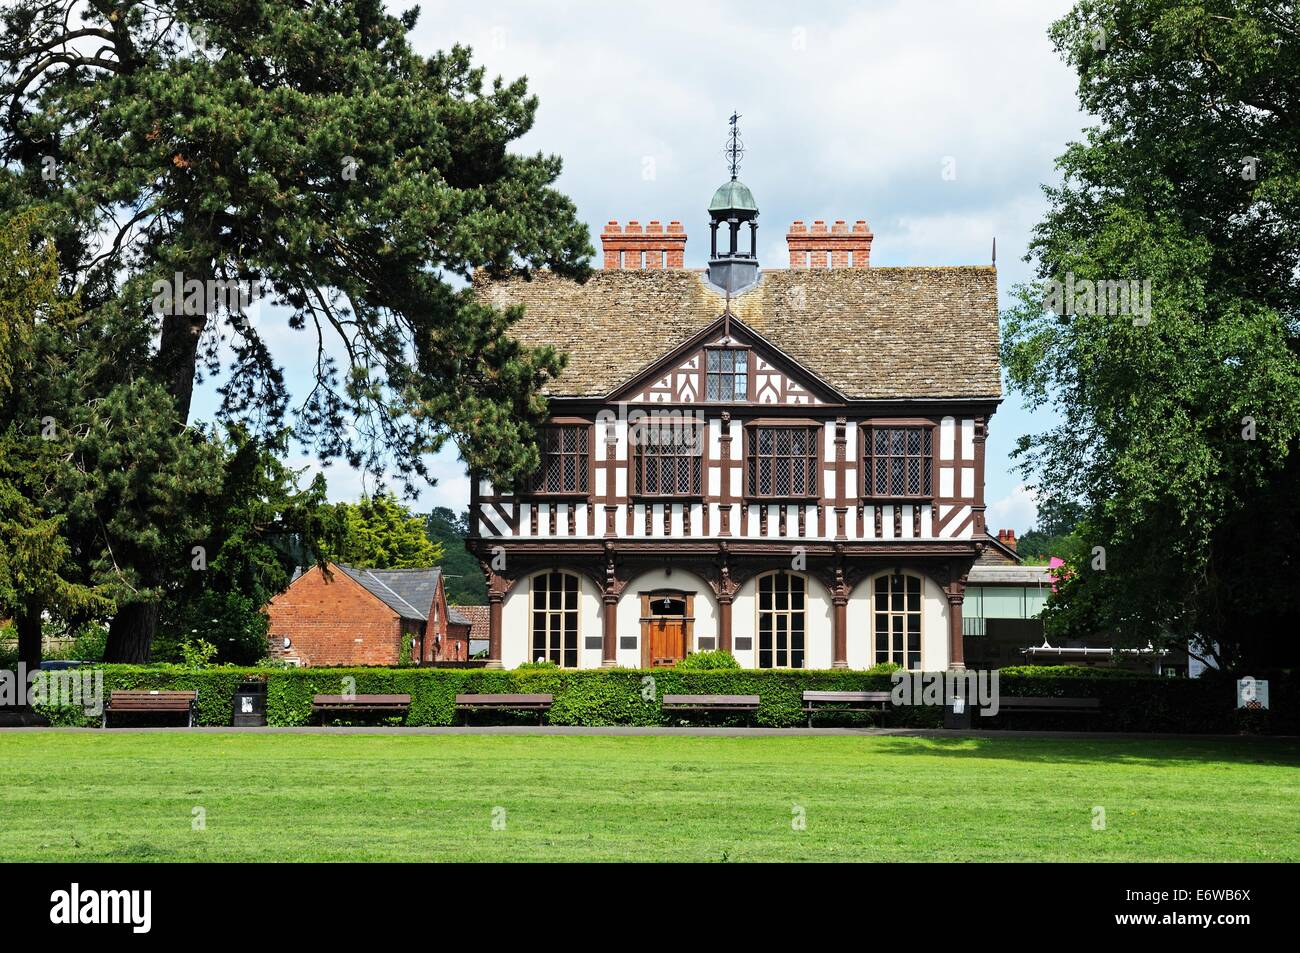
<point>627,697</point>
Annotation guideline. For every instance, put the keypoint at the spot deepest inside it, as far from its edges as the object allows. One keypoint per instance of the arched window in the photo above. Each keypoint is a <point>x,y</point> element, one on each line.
<point>898,620</point>
<point>782,598</point>
<point>555,618</point>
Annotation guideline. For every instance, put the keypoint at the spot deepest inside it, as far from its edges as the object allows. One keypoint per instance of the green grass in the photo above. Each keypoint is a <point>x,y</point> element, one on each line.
<point>126,796</point>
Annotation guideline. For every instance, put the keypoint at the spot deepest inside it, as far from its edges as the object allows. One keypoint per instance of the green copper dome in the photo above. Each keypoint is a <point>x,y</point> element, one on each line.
<point>733,196</point>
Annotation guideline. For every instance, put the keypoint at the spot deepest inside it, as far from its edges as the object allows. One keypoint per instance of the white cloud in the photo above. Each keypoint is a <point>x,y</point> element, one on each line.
<point>1018,511</point>
<point>847,113</point>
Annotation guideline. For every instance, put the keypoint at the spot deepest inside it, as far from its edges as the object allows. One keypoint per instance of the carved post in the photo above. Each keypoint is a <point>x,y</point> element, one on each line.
<point>613,588</point>
<point>726,592</point>
<point>840,618</point>
<point>496,586</point>
<point>494,628</point>
<point>956,650</point>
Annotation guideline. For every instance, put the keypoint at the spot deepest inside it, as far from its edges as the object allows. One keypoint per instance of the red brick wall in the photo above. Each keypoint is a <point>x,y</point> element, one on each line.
<point>454,645</point>
<point>333,622</point>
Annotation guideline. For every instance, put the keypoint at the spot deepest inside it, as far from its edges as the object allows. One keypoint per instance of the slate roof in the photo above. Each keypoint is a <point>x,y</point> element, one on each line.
<point>1009,576</point>
<point>408,592</point>
<point>476,616</point>
<point>871,333</point>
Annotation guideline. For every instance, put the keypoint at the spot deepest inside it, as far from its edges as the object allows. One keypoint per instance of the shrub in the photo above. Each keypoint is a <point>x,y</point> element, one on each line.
<point>716,660</point>
<point>619,696</point>
<point>884,668</point>
<point>540,663</point>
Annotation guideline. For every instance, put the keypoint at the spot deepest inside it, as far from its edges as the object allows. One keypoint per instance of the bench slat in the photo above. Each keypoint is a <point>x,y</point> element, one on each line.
<point>1026,701</point>
<point>361,701</point>
<point>711,701</point>
<point>846,696</point>
<point>503,700</point>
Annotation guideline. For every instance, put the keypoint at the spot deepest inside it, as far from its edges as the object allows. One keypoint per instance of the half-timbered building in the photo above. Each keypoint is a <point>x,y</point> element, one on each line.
<point>785,463</point>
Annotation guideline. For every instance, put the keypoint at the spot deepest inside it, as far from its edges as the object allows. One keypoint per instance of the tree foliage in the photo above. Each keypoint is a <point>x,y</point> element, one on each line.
<point>380,533</point>
<point>1179,436</point>
<point>305,153</point>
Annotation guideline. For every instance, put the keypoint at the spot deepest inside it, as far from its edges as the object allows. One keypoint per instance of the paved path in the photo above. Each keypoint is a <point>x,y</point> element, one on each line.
<point>629,731</point>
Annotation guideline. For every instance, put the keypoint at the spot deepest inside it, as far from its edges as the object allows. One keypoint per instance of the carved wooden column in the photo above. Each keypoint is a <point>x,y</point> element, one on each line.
<point>494,629</point>
<point>613,589</point>
<point>956,650</point>
<point>726,590</point>
<point>840,618</point>
<point>496,586</point>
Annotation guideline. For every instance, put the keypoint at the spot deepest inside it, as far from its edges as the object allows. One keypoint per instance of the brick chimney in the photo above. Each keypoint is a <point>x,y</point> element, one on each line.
<point>836,247</point>
<point>632,247</point>
<point>1007,537</point>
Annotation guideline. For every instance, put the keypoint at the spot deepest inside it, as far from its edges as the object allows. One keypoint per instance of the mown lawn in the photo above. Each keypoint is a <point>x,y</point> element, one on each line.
<point>132,796</point>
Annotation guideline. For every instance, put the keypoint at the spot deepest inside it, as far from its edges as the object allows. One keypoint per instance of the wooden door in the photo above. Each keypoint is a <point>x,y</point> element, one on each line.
<point>667,641</point>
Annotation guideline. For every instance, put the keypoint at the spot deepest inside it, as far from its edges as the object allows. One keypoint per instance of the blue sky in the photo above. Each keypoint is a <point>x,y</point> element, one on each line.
<point>852,111</point>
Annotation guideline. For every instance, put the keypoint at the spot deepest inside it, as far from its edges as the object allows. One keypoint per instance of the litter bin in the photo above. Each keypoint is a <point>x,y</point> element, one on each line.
<point>956,713</point>
<point>250,705</point>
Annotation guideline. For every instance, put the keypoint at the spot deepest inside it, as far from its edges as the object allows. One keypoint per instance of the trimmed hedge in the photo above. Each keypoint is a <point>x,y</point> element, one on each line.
<point>1131,702</point>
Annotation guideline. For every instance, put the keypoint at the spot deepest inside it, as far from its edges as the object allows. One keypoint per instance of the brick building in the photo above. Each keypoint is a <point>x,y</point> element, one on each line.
<point>341,615</point>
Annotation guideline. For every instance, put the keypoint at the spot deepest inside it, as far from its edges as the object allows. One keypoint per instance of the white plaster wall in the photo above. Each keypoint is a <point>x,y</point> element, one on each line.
<point>629,610</point>
<point>818,623</point>
<point>516,623</point>
<point>934,626</point>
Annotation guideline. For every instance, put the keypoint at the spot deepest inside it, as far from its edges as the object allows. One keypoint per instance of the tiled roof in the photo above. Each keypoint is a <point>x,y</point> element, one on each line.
<point>408,592</point>
<point>871,333</point>
<point>476,616</point>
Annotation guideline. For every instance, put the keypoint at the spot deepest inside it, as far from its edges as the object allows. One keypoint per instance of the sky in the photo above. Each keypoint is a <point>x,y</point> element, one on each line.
<point>937,122</point>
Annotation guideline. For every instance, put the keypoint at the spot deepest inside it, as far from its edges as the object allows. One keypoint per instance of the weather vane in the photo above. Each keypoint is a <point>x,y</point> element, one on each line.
<point>735,147</point>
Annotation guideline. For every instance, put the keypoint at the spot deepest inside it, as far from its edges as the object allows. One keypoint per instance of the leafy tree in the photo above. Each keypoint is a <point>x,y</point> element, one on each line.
<point>260,525</point>
<point>304,151</point>
<point>380,533</point>
<point>1180,434</point>
<point>462,575</point>
<point>37,568</point>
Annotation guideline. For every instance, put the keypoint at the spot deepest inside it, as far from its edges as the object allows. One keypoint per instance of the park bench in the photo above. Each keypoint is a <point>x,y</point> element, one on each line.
<point>152,702</point>
<point>699,703</point>
<point>1064,706</point>
<point>844,701</point>
<point>538,703</point>
<point>331,705</point>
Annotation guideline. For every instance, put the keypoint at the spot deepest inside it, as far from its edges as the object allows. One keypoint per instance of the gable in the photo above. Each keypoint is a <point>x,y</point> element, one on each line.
<point>681,376</point>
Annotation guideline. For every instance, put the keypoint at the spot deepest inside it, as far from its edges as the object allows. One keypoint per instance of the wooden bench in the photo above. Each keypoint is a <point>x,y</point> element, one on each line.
<point>1064,706</point>
<point>742,703</point>
<point>330,705</point>
<point>149,702</point>
<point>845,701</point>
<point>538,703</point>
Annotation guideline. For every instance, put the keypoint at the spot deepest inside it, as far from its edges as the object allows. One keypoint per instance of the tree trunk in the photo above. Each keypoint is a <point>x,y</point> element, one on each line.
<point>131,633</point>
<point>178,349</point>
<point>28,622</point>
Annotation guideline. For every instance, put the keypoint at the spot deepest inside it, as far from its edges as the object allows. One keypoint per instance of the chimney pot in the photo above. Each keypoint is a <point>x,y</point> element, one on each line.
<point>626,246</point>
<point>837,247</point>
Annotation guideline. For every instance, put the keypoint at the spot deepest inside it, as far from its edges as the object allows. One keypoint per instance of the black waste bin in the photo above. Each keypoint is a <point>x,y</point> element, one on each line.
<point>956,713</point>
<point>250,705</point>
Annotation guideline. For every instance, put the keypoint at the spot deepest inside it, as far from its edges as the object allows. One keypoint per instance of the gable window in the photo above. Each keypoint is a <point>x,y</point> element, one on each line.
<point>564,467</point>
<point>781,620</point>
<point>555,618</point>
<point>781,461</point>
<point>669,460</point>
<point>898,620</point>
<point>898,462</point>
<point>727,374</point>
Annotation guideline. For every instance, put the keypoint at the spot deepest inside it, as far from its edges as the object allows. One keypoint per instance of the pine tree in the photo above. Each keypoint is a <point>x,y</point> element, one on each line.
<point>303,151</point>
